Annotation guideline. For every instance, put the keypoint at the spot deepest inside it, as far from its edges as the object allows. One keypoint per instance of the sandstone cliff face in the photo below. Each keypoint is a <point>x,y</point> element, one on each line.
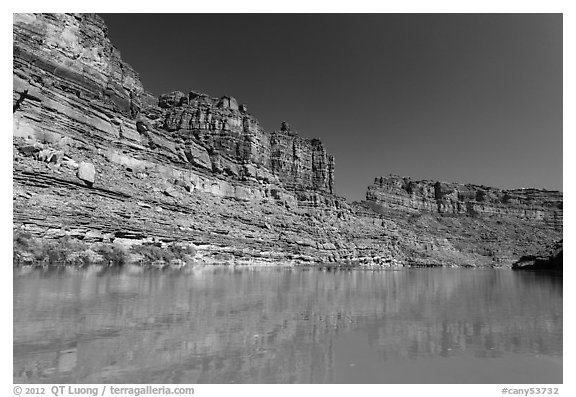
<point>478,222</point>
<point>218,135</point>
<point>97,159</point>
<point>73,48</point>
<point>71,87</point>
<point>394,192</point>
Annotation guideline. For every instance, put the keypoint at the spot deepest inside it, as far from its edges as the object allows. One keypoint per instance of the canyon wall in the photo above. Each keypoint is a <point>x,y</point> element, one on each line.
<point>98,160</point>
<point>402,193</point>
<point>221,136</point>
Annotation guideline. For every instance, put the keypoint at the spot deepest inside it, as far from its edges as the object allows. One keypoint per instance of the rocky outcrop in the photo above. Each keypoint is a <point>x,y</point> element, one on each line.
<point>549,259</point>
<point>98,160</point>
<point>49,48</point>
<point>402,193</point>
<point>218,135</point>
<point>87,173</point>
<point>478,222</point>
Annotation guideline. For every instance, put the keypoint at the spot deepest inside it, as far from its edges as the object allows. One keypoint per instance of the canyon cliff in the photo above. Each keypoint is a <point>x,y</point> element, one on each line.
<point>98,160</point>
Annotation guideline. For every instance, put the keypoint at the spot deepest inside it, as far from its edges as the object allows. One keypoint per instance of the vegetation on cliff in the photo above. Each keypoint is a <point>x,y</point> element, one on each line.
<point>71,252</point>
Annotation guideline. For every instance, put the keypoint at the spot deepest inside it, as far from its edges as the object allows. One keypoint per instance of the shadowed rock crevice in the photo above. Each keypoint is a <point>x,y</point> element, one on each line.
<point>549,259</point>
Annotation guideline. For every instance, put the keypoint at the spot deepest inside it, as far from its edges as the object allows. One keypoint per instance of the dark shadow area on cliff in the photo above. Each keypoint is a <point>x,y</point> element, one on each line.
<point>549,261</point>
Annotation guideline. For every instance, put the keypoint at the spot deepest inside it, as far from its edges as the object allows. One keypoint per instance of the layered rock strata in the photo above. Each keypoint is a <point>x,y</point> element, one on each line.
<point>473,219</point>
<point>99,160</point>
<point>220,136</point>
<point>394,192</point>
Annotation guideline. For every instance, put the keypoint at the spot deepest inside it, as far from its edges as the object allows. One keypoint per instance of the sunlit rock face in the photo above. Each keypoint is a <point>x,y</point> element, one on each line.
<point>99,160</point>
<point>66,72</point>
<point>402,193</point>
<point>217,128</point>
<point>53,48</point>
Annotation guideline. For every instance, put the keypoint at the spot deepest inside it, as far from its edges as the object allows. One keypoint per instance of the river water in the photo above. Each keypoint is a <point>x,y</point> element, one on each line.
<point>281,325</point>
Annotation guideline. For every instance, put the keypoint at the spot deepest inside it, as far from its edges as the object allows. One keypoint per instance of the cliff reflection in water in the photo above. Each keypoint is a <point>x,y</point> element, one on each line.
<point>223,325</point>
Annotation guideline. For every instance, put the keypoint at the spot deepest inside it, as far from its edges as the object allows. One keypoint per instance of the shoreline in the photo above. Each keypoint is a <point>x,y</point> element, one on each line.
<point>31,252</point>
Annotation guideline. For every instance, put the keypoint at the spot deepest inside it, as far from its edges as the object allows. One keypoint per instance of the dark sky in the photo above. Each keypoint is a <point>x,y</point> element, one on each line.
<point>464,98</point>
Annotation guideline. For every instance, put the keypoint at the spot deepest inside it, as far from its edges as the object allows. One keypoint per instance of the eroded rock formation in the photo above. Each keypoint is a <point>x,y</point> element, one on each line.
<point>394,192</point>
<point>218,135</point>
<point>100,161</point>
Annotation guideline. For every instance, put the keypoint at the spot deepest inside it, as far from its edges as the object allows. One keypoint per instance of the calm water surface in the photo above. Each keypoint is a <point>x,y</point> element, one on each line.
<point>225,325</point>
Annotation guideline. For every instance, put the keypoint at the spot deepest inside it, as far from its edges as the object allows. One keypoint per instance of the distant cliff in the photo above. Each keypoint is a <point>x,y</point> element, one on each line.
<point>102,168</point>
<point>394,192</point>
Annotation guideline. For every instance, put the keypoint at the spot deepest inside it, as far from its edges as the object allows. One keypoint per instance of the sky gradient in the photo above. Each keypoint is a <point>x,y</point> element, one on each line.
<point>470,98</point>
